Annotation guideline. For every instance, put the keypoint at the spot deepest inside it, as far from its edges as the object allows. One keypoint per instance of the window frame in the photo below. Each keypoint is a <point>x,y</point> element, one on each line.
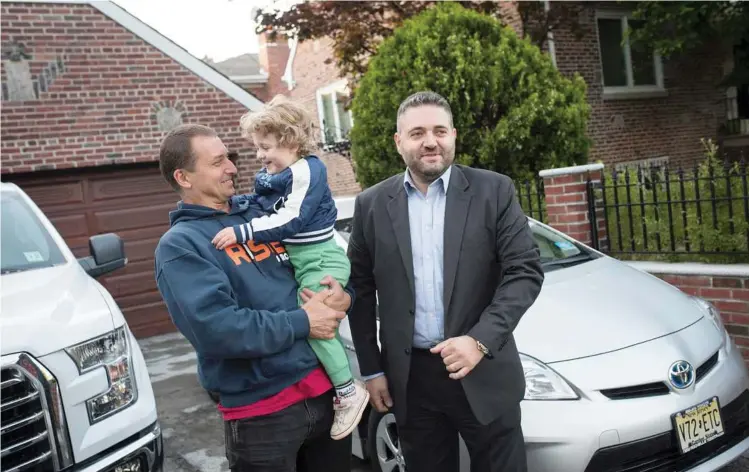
<point>630,90</point>
<point>333,89</point>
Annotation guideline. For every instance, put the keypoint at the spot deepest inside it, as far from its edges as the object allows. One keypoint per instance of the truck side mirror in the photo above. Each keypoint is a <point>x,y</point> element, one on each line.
<point>107,254</point>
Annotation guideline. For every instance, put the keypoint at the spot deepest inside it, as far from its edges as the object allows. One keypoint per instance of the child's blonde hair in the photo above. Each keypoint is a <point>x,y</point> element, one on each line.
<point>287,120</point>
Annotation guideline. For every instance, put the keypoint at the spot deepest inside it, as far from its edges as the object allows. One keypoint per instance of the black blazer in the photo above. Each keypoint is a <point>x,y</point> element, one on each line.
<point>492,275</point>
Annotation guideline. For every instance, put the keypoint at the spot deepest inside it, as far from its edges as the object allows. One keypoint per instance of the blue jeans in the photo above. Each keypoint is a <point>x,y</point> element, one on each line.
<point>296,439</point>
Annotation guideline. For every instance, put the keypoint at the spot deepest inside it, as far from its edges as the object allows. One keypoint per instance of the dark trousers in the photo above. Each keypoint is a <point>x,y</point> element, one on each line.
<point>294,439</point>
<point>437,410</point>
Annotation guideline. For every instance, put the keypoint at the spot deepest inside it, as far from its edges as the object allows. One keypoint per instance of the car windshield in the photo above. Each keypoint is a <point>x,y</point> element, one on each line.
<point>556,250</point>
<point>25,243</point>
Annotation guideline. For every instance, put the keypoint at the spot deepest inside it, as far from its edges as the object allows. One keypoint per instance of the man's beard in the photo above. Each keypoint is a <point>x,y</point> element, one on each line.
<point>431,172</point>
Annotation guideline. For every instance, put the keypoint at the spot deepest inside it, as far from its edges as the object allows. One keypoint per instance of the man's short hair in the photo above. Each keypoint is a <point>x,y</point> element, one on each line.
<point>287,120</point>
<point>176,150</point>
<point>423,98</point>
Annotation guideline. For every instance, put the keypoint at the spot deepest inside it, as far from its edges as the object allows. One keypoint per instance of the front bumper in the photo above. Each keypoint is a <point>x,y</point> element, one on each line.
<point>661,452</point>
<point>145,447</point>
<point>601,435</point>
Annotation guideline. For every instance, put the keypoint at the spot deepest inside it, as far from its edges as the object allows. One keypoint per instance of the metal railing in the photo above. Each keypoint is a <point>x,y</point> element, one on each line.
<point>663,212</point>
<point>532,198</point>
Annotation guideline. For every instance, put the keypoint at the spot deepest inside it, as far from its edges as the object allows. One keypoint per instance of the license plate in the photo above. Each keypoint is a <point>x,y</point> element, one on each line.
<point>698,425</point>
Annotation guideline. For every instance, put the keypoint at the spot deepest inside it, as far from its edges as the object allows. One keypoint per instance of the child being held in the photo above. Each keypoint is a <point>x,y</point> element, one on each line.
<point>292,190</point>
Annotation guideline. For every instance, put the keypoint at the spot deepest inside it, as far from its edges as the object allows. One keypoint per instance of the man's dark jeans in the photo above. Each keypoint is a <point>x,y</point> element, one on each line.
<point>294,439</point>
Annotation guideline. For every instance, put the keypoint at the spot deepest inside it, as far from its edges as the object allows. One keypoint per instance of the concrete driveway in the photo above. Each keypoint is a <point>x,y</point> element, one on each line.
<point>192,426</point>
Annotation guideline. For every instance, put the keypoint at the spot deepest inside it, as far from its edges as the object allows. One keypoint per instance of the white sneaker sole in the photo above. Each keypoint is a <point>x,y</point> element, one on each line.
<point>356,421</point>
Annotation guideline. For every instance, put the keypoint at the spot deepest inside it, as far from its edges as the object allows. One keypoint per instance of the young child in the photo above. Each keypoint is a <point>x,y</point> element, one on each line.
<point>292,190</point>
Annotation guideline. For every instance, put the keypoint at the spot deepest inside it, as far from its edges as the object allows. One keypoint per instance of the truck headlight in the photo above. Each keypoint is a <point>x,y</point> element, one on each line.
<point>542,383</point>
<point>111,351</point>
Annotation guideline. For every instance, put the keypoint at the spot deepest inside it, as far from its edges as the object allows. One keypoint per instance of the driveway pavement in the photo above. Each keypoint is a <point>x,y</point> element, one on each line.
<point>193,433</point>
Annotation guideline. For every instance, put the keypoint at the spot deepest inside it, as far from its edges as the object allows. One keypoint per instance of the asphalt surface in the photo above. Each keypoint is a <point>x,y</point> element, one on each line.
<point>191,424</point>
<point>192,427</point>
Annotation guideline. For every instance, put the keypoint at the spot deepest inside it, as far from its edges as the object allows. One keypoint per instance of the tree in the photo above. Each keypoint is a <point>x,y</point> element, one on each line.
<point>514,112</point>
<point>357,28</point>
<point>678,28</point>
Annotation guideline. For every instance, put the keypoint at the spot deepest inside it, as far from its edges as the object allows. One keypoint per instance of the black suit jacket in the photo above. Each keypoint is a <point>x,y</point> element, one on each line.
<point>492,275</point>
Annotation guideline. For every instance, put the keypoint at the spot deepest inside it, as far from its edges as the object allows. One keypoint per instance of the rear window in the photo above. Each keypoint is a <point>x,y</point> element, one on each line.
<point>25,243</point>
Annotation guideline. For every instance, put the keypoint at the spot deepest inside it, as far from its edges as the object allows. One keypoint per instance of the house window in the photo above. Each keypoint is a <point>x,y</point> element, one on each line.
<point>335,120</point>
<point>626,70</point>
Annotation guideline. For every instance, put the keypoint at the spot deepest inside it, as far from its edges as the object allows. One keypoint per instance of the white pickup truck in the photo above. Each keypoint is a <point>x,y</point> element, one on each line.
<point>75,391</point>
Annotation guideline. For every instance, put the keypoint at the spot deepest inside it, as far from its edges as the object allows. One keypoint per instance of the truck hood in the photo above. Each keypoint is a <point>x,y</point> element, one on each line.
<point>45,310</point>
<point>598,307</point>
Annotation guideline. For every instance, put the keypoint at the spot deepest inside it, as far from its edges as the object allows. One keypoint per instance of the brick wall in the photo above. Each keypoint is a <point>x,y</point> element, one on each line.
<point>567,201</point>
<point>103,99</point>
<point>644,128</point>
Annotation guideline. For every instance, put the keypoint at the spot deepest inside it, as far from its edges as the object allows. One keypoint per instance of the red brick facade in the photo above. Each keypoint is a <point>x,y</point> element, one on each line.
<point>567,202</point>
<point>645,128</point>
<point>103,104</point>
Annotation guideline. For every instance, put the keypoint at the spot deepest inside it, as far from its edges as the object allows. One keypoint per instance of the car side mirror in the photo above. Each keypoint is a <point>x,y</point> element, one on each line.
<point>107,254</point>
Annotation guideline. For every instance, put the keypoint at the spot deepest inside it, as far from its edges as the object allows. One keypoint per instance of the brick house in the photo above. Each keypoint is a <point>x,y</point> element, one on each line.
<point>270,72</point>
<point>88,92</point>
<point>654,113</point>
<point>298,70</point>
<point>646,109</point>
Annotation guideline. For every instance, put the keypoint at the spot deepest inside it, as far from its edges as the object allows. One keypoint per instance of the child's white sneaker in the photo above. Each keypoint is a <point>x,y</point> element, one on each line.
<point>348,411</point>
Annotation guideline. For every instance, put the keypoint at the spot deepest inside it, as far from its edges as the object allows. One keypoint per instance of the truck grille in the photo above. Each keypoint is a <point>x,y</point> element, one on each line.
<point>24,435</point>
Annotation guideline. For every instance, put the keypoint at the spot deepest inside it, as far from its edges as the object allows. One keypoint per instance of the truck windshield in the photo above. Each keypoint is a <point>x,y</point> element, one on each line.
<point>25,243</point>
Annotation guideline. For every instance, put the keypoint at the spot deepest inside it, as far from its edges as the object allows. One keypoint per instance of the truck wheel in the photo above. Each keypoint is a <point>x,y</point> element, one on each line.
<point>383,445</point>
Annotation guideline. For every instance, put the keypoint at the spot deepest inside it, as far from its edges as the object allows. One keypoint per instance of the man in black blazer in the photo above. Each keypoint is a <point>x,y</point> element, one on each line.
<point>448,251</point>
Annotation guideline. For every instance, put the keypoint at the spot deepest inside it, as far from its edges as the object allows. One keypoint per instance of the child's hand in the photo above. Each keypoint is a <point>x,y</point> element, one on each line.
<point>224,238</point>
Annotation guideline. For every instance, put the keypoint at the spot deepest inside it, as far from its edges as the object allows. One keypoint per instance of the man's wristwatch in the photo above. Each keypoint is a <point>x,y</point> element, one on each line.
<point>484,350</point>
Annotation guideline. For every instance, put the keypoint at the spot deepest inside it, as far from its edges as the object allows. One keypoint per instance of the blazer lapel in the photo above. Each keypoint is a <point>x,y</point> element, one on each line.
<point>398,211</point>
<point>456,214</point>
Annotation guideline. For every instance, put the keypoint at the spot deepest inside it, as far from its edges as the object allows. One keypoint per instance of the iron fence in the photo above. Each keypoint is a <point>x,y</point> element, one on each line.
<point>532,198</point>
<point>660,213</point>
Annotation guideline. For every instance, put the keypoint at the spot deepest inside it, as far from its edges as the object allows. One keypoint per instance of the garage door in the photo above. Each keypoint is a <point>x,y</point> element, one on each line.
<point>133,202</point>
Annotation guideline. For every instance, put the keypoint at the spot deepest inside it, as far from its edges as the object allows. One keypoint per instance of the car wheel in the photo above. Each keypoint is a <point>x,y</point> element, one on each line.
<point>383,444</point>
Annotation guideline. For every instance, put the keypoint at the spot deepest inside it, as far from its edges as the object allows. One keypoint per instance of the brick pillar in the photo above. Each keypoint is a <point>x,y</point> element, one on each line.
<point>566,191</point>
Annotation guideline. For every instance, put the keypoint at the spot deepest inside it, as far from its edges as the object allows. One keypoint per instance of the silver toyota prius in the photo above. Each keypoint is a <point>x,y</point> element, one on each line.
<point>623,371</point>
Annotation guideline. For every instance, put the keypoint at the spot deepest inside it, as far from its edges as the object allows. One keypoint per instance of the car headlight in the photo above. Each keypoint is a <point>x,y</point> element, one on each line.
<point>542,383</point>
<point>712,314</point>
<point>111,351</point>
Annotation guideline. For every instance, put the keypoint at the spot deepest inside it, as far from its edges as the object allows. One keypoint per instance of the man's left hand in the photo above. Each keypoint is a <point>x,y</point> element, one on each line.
<point>460,355</point>
<point>339,300</point>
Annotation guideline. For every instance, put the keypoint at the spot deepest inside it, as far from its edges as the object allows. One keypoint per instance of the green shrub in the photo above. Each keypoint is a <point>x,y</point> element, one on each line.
<point>514,112</point>
<point>711,201</point>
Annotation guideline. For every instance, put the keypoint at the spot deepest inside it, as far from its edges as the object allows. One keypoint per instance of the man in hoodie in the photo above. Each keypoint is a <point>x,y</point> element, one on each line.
<point>238,308</point>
